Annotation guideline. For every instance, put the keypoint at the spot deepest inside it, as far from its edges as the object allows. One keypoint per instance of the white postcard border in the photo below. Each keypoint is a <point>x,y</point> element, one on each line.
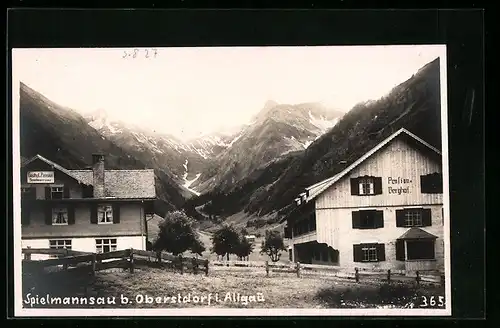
<point>19,311</point>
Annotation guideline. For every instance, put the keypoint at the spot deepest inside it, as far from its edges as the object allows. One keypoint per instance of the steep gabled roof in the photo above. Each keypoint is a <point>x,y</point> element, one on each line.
<point>55,166</point>
<point>316,189</point>
<point>126,184</point>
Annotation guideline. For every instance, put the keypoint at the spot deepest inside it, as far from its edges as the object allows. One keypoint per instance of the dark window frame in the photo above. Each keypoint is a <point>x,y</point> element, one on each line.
<point>367,219</point>
<point>431,183</point>
<point>415,249</point>
<point>369,252</point>
<point>102,243</point>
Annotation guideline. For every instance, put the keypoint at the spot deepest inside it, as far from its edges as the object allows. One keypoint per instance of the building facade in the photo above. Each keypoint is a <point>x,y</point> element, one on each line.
<point>94,210</point>
<point>385,211</point>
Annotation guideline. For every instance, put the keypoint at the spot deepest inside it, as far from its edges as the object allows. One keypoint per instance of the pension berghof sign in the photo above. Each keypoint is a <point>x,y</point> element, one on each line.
<point>398,185</point>
<point>41,177</point>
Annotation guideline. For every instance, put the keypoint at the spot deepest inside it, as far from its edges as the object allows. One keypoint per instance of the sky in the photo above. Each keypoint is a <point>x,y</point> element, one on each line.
<point>191,91</point>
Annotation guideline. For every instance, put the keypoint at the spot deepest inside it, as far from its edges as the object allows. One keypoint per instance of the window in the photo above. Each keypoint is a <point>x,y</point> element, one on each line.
<point>368,219</point>
<point>414,217</point>
<point>287,232</point>
<point>305,226</point>
<point>59,244</point>
<point>56,192</point>
<point>420,250</point>
<point>105,214</point>
<point>431,183</point>
<point>369,252</point>
<point>28,193</point>
<point>366,185</point>
<point>59,216</point>
<point>105,245</point>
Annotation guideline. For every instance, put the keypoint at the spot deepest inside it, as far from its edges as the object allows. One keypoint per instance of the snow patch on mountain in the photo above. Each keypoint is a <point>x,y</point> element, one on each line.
<point>235,139</point>
<point>188,183</point>
<point>322,123</point>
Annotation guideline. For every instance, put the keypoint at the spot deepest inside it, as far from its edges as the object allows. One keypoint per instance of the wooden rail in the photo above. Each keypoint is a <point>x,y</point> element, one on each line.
<point>357,274</point>
<point>129,258</point>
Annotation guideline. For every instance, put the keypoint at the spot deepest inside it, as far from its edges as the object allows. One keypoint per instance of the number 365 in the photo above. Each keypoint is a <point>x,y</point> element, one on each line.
<point>432,301</point>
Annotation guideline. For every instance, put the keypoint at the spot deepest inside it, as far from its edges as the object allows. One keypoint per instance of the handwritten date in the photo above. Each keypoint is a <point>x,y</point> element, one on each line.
<point>136,53</point>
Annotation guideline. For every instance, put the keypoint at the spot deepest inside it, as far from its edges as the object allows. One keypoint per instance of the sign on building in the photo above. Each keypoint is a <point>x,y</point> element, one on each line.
<point>41,177</point>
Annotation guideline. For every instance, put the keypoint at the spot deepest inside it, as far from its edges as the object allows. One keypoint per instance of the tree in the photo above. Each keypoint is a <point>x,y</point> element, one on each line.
<point>273,245</point>
<point>244,248</point>
<point>244,232</point>
<point>198,247</point>
<point>176,234</point>
<point>225,241</point>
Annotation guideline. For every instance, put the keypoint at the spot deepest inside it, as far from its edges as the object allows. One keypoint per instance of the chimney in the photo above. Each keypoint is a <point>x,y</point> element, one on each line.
<point>98,175</point>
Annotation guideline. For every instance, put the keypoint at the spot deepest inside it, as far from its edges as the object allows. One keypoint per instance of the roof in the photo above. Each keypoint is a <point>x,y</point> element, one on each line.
<point>57,167</point>
<point>417,233</point>
<point>316,189</point>
<point>124,183</point>
<point>128,184</point>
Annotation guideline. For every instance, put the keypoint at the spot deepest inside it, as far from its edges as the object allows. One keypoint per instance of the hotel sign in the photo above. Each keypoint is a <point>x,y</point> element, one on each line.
<point>41,177</point>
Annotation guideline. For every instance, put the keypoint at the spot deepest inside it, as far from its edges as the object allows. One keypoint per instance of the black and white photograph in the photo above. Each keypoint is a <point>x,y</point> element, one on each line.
<point>241,181</point>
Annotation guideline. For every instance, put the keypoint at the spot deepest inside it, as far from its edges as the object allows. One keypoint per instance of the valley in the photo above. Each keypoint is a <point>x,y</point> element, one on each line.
<point>246,175</point>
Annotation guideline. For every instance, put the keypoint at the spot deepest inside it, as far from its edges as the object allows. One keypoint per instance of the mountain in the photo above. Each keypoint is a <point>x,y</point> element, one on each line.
<point>414,105</point>
<point>183,161</point>
<point>277,130</point>
<point>64,136</point>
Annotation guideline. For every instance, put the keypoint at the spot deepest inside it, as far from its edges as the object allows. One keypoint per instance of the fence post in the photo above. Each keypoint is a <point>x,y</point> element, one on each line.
<point>389,276</point>
<point>417,279</point>
<point>356,274</point>
<point>94,256</point>
<point>267,268</point>
<point>181,264</point>
<point>195,266</point>
<point>131,260</point>
<point>206,267</point>
<point>298,269</point>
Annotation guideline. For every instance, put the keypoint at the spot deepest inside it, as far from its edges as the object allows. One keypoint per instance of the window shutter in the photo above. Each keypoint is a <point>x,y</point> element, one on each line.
<point>426,217</point>
<point>377,185</point>
<point>65,192</point>
<point>287,232</point>
<point>358,253</point>
<point>354,186</point>
<point>356,220</point>
<point>48,214</point>
<point>379,219</point>
<point>400,250</point>
<point>71,214</point>
<point>93,213</point>
<point>424,184</point>
<point>440,183</point>
<point>116,213</point>
<point>400,218</point>
<point>381,252</point>
<point>48,193</point>
<point>436,182</point>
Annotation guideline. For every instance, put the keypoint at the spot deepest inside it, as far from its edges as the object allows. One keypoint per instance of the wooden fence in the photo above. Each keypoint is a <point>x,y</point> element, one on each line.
<point>70,260</point>
<point>127,259</point>
<point>356,274</point>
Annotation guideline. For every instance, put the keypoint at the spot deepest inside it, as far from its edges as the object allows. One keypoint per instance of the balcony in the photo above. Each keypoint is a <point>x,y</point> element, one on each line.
<point>304,238</point>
